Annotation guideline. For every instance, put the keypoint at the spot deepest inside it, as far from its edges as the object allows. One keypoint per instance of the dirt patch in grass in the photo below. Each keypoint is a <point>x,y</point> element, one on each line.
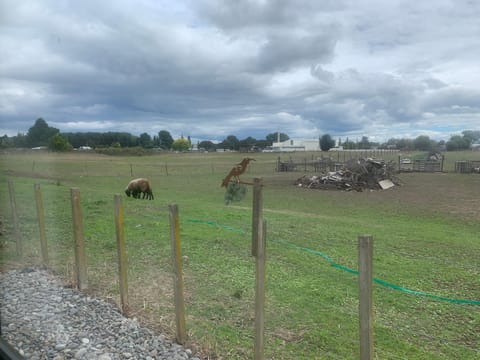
<point>449,194</point>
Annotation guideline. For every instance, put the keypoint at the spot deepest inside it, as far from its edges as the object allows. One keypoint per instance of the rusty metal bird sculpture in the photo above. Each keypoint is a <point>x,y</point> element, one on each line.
<point>236,171</point>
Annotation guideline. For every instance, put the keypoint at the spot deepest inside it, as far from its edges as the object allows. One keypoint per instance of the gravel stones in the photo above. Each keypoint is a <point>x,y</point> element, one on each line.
<point>42,319</point>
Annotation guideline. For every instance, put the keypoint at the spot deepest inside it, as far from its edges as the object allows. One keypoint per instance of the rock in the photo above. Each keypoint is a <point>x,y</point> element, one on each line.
<point>48,320</point>
<point>80,353</point>
<point>104,357</point>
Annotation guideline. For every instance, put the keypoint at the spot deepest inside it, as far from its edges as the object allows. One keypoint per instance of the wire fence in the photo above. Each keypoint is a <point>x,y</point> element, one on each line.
<point>285,243</point>
<point>345,268</point>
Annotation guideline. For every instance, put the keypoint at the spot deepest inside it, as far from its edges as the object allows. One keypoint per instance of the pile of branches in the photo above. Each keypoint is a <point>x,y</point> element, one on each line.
<point>356,174</point>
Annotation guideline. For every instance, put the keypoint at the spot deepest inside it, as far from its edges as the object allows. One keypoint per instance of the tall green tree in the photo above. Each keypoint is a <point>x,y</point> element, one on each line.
<point>6,142</point>
<point>364,143</point>
<point>471,136</point>
<point>391,143</point>
<point>20,140</point>
<point>247,143</point>
<point>125,139</point>
<point>40,133</point>
<point>273,137</point>
<point>181,144</point>
<point>423,143</point>
<point>349,145</point>
<point>231,142</point>
<point>457,142</point>
<point>262,144</point>
<point>207,145</point>
<point>145,141</point>
<point>326,142</point>
<point>59,143</point>
<point>405,144</point>
<point>165,140</point>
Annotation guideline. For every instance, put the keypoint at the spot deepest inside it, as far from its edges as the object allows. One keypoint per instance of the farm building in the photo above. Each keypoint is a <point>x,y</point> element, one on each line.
<point>296,145</point>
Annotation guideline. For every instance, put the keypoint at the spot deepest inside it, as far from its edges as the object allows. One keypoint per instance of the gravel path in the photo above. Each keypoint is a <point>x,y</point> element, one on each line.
<point>42,319</point>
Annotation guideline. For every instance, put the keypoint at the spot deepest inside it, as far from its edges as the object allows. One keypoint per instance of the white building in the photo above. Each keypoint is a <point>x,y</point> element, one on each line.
<point>296,145</point>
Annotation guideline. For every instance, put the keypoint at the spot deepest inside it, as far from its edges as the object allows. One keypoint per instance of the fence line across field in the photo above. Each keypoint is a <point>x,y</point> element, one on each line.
<point>80,266</point>
<point>327,164</point>
<point>342,267</point>
<point>259,232</point>
<point>120,167</point>
<point>295,161</point>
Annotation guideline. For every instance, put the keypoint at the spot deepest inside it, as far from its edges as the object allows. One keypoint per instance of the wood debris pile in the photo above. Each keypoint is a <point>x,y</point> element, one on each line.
<point>356,174</point>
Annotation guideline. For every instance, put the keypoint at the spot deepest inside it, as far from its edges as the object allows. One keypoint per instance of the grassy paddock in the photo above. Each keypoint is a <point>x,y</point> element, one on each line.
<point>425,238</point>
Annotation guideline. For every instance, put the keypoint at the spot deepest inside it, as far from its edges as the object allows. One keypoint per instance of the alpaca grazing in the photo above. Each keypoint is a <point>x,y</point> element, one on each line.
<point>140,186</point>
<point>236,171</point>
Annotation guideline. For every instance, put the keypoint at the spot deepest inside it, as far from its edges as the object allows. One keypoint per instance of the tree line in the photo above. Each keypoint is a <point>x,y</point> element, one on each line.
<point>43,135</point>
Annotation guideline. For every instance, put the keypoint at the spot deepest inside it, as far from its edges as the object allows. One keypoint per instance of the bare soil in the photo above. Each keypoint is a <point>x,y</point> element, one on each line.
<point>449,194</point>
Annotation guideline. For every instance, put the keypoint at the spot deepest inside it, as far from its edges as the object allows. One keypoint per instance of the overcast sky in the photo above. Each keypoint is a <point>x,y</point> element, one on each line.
<point>209,69</point>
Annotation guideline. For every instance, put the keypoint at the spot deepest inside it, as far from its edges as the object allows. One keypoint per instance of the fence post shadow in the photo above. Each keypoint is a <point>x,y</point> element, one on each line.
<point>16,225</point>
<point>80,258</point>
<point>259,229</point>
<point>365,281</point>
<point>41,224</point>
<point>122,254</point>
<point>181,333</point>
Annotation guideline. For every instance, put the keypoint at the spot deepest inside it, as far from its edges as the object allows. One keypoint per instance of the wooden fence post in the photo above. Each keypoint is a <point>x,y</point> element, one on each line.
<point>260,261</point>
<point>41,224</point>
<point>365,281</point>
<point>80,263</point>
<point>258,251</point>
<point>181,335</point>
<point>16,226</point>
<point>257,213</point>
<point>122,254</point>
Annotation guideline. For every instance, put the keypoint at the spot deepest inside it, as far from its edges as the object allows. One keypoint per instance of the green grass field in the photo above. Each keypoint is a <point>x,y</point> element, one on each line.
<point>426,239</point>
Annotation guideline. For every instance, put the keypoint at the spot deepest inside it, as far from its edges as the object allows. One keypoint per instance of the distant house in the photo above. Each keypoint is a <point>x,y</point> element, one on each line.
<point>296,145</point>
<point>475,146</point>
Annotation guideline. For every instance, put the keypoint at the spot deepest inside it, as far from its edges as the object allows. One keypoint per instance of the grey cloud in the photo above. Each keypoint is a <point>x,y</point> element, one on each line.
<point>432,83</point>
<point>242,67</point>
<point>280,53</point>
<point>373,96</point>
<point>286,38</point>
<point>250,14</point>
<point>321,74</point>
<point>451,100</point>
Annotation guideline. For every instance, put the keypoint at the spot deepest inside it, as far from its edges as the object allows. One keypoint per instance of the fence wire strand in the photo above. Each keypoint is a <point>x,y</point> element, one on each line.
<point>347,269</point>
